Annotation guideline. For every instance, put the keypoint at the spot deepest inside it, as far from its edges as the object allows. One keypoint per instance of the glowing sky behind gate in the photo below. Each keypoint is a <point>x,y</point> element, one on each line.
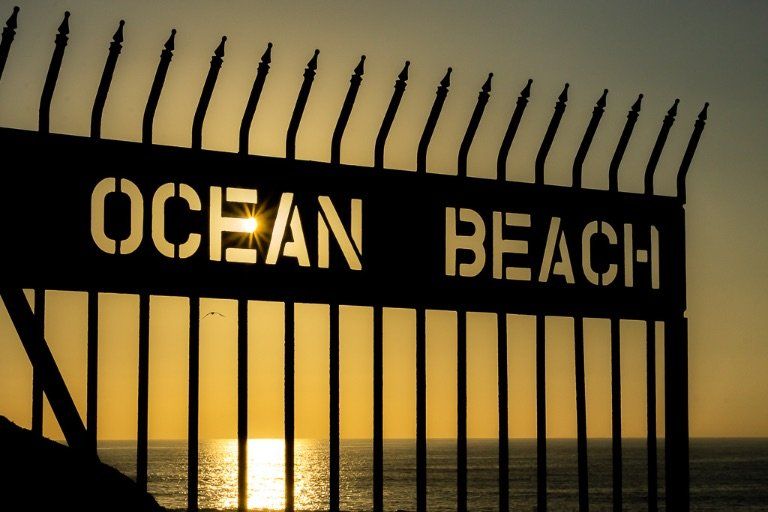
<point>695,51</point>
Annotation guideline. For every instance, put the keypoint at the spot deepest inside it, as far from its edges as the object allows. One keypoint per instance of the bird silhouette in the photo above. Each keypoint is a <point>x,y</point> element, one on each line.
<point>213,313</point>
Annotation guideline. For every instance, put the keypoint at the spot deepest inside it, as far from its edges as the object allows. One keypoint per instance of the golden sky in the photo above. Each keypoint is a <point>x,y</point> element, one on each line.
<point>697,52</point>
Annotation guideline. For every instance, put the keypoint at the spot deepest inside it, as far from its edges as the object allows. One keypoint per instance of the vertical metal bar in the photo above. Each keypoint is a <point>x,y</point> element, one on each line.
<point>143,414</point>
<point>661,139</point>
<point>115,47</point>
<point>541,414</point>
<point>157,87</point>
<point>334,466</point>
<point>421,410</point>
<point>581,414</point>
<point>37,381</point>
<point>62,38</point>
<point>253,99</point>
<point>389,116</point>
<point>676,407</point>
<point>346,111</point>
<point>503,413</point>
<point>618,154</point>
<point>586,141</point>
<point>93,367</point>
<point>290,344</point>
<point>205,96</point>
<point>378,409</point>
<point>194,403</point>
<point>693,142</point>
<point>509,136</point>
<point>650,365</point>
<point>298,109</point>
<point>242,404</point>
<point>474,122</point>
<point>616,412</point>
<point>461,411</point>
<point>549,136</point>
<point>429,128</point>
<point>9,33</point>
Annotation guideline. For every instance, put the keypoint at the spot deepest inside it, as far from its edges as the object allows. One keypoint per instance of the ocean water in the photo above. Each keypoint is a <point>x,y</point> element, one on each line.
<point>726,474</point>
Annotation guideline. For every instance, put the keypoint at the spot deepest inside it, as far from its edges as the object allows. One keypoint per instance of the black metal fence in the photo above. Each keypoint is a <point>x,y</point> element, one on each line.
<point>665,303</point>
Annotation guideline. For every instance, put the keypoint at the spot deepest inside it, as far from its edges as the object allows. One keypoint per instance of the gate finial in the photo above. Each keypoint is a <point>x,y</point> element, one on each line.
<point>581,154</point>
<point>509,136</point>
<point>11,23</point>
<point>549,136</point>
<point>613,172</point>
<point>53,75</point>
<point>298,109</point>
<point>666,125</point>
<point>429,128</point>
<point>205,97</point>
<point>474,122</point>
<point>9,32</point>
<point>115,47</point>
<point>346,110</point>
<point>157,87</point>
<point>253,99</point>
<point>381,139</point>
<point>698,127</point>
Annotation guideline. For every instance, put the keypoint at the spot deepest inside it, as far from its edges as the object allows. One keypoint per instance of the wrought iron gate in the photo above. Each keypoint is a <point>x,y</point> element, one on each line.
<point>631,264</point>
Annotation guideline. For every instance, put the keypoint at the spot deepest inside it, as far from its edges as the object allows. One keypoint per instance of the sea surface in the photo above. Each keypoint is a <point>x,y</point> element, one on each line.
<point>726,474</point>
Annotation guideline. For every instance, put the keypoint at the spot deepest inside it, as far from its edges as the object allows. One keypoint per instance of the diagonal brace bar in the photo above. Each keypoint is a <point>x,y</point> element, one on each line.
<point>44,365</point>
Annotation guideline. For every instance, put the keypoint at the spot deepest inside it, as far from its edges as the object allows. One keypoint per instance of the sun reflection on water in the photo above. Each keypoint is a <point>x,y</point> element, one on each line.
<point>266,474</point>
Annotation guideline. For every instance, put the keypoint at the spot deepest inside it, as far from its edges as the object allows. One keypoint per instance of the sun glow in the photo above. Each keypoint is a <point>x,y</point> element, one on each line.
<point>251,224</point>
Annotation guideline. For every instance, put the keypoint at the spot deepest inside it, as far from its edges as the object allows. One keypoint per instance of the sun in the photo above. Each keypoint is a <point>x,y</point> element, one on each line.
<point>251,225</point>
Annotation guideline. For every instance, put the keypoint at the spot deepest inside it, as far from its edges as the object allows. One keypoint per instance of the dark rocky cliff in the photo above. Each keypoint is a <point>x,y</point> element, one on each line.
<point>40,474</point>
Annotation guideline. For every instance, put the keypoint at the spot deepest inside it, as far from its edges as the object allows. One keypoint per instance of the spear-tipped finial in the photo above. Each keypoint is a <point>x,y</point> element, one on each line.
<point>115,48</point>
<point>170,44</point>
<point>446,81</point>
<point>267,57</point>
<point>360,69</point>
<point>549,136</point>
<point>219,51</point>
<point>403,76</point>
<point>312,64</point>
<point>205,96</point>
<point>509,136</point>
<point>64,27</point>
<point>253,99</point>
<point>698,128</point>
<point>618,154</point>
<point>672,112</point>
<point>487,85</point>
<point>389,116</point>
<point>526,92</point>
<point>298,109</point>
<point>703,113</point>
<point>602,101</point>
<point>429,128</point>
<point>474,122</point>
<point>53,75</point>
<point>118,37</point>
<point>658,147</point>
<point>586,141</point>
<point>346,110</point>
<point>157,87</point>
<point>12,20</point>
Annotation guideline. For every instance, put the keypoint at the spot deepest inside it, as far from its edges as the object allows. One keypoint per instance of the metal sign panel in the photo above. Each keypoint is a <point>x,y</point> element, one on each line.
<point>118,216</point>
